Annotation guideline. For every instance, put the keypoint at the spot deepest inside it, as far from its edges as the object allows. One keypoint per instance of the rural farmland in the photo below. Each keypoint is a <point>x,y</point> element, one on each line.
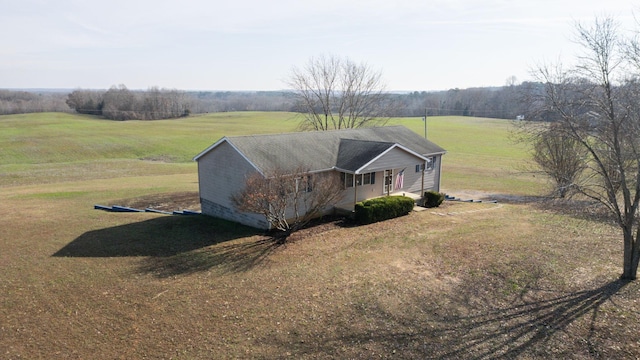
<point>524,278</point>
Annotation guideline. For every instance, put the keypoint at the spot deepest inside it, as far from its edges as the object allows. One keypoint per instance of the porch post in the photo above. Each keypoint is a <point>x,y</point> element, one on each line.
<point>438,159</point>
<point>424,167</point>
<point>355,191</point>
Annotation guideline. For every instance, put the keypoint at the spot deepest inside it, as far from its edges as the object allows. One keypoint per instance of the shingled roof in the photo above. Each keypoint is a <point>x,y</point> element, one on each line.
<point>323,150</point>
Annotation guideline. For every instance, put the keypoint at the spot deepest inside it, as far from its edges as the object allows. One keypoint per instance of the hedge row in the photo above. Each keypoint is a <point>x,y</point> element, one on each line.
<point>383,208</point>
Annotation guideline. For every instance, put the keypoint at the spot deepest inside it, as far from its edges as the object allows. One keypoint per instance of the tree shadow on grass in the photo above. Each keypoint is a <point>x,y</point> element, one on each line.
<point>174,245</point>
<point>529,329</point>
<point>224,258</point>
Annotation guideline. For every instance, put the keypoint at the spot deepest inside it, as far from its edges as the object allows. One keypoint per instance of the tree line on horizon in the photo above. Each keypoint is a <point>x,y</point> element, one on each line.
<point>121,103</point>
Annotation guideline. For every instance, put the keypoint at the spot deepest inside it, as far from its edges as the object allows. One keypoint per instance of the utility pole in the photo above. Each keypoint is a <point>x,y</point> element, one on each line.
<point>425,123</point>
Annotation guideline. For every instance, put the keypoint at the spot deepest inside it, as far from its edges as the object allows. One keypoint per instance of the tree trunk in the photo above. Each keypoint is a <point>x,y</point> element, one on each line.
<point>631,256</point>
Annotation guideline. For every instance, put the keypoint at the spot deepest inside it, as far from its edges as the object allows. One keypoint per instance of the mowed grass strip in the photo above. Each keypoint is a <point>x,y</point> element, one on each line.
<point>467,280</point>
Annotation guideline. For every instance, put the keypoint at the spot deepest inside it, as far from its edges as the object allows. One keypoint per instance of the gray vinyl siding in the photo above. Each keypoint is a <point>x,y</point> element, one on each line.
<point>432,177</point>
<point>398,159</point>
<point>413,179</point>
<point>221,173</point>
<point>391,160</point>
<point>228,213</point>
<point>290,211</point>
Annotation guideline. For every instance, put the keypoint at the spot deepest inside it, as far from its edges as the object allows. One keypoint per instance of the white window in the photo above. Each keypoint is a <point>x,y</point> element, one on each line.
<point>369,178</point>
<point>431,163</point>
<point>347,180</point>
<point>361,179</point>
<point>304,184</point>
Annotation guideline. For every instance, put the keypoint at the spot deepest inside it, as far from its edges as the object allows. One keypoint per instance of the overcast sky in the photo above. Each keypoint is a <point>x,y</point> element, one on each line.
<point>252,44</point>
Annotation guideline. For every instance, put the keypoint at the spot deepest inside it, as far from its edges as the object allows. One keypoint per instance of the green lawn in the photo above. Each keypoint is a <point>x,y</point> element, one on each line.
<point>54,147</point>
<point>64,138</point>
<point>51,147</point>
<point>481,154</point>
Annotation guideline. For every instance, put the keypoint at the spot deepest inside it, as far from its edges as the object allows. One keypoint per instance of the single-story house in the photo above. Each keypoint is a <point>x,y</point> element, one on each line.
<point>372,162</point>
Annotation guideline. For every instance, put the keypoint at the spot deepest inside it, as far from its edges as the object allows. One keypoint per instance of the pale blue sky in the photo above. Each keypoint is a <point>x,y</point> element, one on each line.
<point>252,45</point>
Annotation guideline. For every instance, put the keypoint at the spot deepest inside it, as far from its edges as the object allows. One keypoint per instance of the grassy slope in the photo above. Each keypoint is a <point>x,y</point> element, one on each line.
<point>45,148</point>
<point>57,137</point>
<point>467,281</point>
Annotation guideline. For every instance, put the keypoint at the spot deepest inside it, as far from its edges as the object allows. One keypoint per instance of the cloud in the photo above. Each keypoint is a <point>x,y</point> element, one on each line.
<point>234,43</point>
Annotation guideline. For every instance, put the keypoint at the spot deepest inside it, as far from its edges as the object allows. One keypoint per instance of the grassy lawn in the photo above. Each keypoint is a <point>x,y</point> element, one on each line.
<point>467,280</point>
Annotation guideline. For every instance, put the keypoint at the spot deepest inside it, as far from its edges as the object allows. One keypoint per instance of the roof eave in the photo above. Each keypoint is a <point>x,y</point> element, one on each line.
<point>343,170</point>
<point>211,147</point>
<point>436,153</point>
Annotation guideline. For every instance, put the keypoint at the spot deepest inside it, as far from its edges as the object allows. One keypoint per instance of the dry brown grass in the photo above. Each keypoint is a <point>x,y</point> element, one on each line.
<point>463,281</point>
<point>521,279</point>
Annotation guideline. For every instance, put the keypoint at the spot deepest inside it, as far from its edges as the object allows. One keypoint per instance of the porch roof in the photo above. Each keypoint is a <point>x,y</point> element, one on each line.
<point>355,155</point>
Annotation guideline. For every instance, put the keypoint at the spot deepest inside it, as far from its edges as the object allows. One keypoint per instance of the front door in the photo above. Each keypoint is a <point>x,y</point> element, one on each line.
<point>388,181</point>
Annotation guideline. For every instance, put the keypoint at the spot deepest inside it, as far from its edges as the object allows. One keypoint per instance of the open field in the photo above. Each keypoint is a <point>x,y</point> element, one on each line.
<point>518,279</point>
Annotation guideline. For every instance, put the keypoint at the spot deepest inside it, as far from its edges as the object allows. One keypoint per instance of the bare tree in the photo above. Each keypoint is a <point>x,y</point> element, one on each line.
<point>288,200</point>
<point>86,101</point>
<point>560,157</point>
<point>20,102</point>
<point>159,103</point>
<point>597,105</point>
<point>120,103</point>
<point>337,93</point>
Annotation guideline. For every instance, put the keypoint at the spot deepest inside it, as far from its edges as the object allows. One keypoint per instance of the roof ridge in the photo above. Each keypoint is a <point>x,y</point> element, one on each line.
<point>370,141</point>
<point>292,133</point>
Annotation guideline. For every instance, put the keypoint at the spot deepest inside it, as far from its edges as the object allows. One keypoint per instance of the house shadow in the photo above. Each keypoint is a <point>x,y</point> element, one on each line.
<point>159,237</point>
<point>173,245</point>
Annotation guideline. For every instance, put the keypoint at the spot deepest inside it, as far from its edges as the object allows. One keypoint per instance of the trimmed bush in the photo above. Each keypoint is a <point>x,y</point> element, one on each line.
<point>433,199</point>
<point>383,208</point>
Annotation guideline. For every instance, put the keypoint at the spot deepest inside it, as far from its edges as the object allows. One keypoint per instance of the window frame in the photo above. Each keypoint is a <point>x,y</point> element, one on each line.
<point>368,179</point>
<point>347,180</point>
<point>360,179</point>
<point>430,163</point>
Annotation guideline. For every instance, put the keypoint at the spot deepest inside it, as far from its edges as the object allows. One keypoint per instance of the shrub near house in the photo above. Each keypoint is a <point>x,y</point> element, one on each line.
<point>433,199</point>
<point>382,208</point>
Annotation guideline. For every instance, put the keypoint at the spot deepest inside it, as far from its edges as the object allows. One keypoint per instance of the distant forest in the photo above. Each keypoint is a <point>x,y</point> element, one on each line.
<point>120,103</point>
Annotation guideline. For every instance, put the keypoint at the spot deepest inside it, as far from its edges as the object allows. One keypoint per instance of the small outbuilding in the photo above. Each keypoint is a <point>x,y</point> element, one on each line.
<point>372,162</point>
